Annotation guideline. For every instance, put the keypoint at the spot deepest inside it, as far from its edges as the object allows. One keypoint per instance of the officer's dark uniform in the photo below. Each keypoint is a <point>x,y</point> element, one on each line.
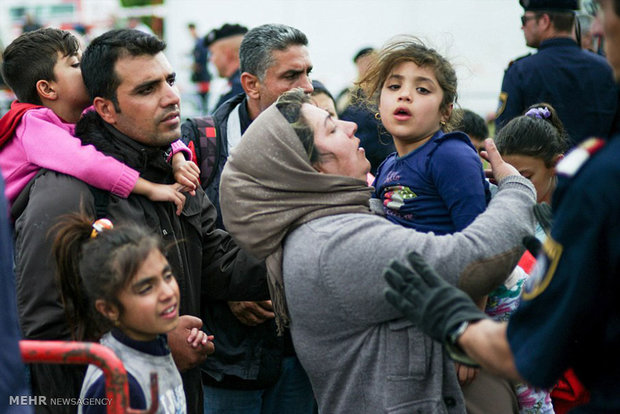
<point>234,82</point>
<point>570,310</point>
<point>578,83</point>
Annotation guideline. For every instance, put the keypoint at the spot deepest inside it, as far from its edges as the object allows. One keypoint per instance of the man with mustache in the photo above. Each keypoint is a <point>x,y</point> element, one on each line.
<point>136,117</point>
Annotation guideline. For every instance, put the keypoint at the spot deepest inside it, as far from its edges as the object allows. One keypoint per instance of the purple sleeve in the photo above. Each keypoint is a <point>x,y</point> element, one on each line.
<point>49,144</point>
<point>459,178</point>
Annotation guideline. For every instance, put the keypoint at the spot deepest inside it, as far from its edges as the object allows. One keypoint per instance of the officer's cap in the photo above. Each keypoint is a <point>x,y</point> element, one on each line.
<point>227,30</point>
<point>560,5</point>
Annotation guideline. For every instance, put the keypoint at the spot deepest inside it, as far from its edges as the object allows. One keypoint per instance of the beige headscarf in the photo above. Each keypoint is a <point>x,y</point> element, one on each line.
<point>269,188</point>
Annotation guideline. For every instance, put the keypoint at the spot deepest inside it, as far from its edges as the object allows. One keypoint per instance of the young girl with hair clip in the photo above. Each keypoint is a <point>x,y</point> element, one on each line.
<point>533,143</point>
<point>117,286</point>
<point>435,181</point>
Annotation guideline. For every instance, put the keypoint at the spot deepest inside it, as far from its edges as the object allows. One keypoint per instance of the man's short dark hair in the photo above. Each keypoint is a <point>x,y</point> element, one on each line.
<point>562,21</point>
<point>255,52</point>
<point>32,57</point>
<point>104,51</point>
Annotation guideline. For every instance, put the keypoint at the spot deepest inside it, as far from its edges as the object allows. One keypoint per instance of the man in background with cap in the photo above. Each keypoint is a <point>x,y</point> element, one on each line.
<point>579,84</point>
<point>223,44</point>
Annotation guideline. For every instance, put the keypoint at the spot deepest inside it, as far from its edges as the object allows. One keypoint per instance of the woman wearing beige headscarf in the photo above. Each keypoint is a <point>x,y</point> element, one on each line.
<point>294,192</point>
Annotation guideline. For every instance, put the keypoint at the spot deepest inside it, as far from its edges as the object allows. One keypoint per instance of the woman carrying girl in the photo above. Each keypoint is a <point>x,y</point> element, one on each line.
<point>325,253</point>
<point>117,286</point>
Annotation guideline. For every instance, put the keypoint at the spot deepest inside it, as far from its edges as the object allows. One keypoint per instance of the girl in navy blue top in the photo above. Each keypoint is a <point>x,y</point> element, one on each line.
<point>435,181</point>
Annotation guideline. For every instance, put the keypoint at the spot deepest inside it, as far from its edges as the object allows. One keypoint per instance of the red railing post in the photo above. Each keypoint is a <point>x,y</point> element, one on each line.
<point>71,352</point>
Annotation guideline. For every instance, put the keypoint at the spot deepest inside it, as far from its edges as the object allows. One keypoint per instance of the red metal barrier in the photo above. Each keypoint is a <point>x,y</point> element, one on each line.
<point>70,352</point>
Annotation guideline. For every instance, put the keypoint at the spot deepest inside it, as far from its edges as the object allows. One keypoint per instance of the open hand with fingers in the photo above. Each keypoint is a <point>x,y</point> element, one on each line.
<point>434,305</point>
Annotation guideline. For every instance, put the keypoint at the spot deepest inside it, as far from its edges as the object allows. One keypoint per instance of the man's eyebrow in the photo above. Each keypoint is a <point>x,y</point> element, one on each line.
<point>292,72</point>
<point>145,85</point>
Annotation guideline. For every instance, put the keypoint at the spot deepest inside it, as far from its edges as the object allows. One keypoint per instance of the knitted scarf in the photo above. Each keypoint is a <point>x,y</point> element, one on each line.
<point>269,188</point>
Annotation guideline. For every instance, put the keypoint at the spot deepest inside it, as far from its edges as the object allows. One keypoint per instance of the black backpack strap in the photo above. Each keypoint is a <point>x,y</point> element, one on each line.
<point>102,199</point>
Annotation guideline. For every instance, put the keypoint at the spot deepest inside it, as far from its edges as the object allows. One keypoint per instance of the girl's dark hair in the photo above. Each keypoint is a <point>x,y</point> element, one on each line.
<point>289,104</point>
<point>88,269</point>
<point>540,136</point>
<point>32,57</point>
<point>411,49</point>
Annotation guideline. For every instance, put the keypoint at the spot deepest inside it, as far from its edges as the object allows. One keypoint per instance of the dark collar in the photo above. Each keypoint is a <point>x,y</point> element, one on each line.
<point>149,161</point>
<point>244,115</point>
<point>557,41</point>
<point>156,347</point>
<point>236,74</point>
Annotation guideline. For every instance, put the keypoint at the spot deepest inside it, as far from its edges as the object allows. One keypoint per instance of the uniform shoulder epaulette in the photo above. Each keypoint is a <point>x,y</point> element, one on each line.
<point>512,62</point>
<point>576,158</point>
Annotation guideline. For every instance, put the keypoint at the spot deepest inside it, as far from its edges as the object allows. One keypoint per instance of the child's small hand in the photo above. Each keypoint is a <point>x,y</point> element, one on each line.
<point>465,374</point>
<point>186,173</point>
<point>168,192</point>
<point>198,338</point>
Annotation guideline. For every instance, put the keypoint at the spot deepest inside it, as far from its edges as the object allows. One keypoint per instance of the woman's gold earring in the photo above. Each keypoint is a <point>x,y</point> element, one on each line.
<point>443,123</point>
<point>378,116</point>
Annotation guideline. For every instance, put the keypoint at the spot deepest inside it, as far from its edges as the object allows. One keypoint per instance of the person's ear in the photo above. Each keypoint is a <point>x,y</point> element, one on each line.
<point>544,21</point>
<point>106,109</point>
<point>251,85</point>
<point>46,90</point>
<point>107,309</point>
<point>447,112</point>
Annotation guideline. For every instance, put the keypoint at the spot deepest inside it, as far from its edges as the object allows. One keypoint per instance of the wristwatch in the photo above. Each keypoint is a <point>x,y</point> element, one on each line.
<point>453,348</point>
<point>454,336</point>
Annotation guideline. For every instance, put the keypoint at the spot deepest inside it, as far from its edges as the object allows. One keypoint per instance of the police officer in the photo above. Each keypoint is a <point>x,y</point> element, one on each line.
<point>578,83</point>
<point>570,309</point>
<point>223,44</point>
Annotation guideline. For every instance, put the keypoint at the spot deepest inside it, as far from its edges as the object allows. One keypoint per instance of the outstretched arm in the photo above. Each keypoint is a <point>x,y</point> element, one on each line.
<point>448,315</point>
